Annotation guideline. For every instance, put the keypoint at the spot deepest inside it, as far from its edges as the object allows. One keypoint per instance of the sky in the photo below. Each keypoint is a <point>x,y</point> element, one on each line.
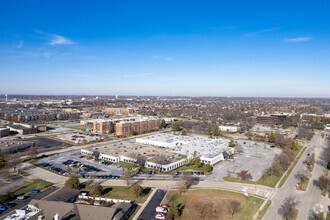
<point>268,48</point>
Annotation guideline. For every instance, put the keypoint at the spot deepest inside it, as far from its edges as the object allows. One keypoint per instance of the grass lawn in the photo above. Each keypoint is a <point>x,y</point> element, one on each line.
<point>33,185</point>
<point>295,217</point>
<point>323,192</point>
<point>122,192</point>
<point>134,213</point>
<point>82,127</point>
<point>264,210</point>
<point>303,186</point>
<point>199,169</point>
<point>212,204</point>
<point>237,180</point>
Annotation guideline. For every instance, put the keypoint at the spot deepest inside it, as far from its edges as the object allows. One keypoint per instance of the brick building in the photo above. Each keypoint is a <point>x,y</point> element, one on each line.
<point>125,128</point>
<point>117,111</point>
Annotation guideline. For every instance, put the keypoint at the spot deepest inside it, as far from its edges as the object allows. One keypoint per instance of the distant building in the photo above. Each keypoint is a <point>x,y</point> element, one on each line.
<point>270,119</point>
<point>232,128</point>
<point>4,132</point>
<point>117,111</point>
<point>22,130</point>
<point>261,132</point>
<point>126,126</point>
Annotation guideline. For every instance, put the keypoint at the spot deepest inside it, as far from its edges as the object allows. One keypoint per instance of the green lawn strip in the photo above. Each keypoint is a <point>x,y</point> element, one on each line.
<point>82,127</point>
<point>248,207</point>
<point>237,180</point>
<point>264,210</point>
<point>33,185</point>
<point>198,169</point>
<point>303,186</point>
<point>134,213</point>
<point>291,167</point>
<point>269,180</point>
<point>122,192</point>
<point>323,192</point>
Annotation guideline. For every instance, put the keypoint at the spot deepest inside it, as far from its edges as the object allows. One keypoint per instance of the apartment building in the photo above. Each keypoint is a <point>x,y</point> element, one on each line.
<point>125,128</point>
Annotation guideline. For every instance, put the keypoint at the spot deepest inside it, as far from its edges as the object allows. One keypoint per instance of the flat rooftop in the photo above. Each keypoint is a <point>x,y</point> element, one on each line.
<point>204,146</point>
<point>20,127</point>
<point>136,150</point>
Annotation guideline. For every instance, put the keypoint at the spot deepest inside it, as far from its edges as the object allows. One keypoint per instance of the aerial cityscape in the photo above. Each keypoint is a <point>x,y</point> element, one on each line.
<point>176,110</point>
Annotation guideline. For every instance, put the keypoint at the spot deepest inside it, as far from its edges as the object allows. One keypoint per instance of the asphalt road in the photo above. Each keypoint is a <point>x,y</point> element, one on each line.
<point>29,197</point>
<point>308,199</point>
<point>150,210</point>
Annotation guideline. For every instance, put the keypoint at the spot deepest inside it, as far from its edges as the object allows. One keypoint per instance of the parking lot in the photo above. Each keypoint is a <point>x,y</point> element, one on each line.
<point>74,163</point>
<point>79,137</point>
<point>256,158</point>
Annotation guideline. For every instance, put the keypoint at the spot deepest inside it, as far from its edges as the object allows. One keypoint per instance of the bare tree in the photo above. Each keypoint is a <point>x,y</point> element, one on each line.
<point>325,155</point>
<point>288,208</point>
<point>245,175</point>
<point>188,179</point>
<point>32,154</point>
<point>323,182</point>
<point>128,176</point>
<point>233,207</point>
<point>302,175</point>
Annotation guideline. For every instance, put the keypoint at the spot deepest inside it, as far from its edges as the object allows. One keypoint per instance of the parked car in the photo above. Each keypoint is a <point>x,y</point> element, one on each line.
<point>3,208</point>
<point>160,215</point>
<point>161,209</point>
<point>21,197</point>
<point>34,191</point>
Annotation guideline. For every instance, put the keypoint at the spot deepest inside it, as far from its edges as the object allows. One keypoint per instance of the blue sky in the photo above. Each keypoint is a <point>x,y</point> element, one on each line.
<point>191,48</point>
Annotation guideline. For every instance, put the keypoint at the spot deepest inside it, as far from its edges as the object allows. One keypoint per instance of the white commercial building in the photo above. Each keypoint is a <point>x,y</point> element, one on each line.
<point>229,128</point>
<point>209,150</point>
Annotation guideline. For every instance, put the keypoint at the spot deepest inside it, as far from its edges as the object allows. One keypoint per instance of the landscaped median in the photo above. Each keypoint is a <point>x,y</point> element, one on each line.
<point>291,167</point>
<point>211,204</point>
<point>264,210</point>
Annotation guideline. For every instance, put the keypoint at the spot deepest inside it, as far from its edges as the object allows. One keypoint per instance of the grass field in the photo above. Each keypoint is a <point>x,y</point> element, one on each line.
<point>82,127</point>
<point>199,169</point>
<point>212,204</point>
<point>122,192</point>
<point>33,185</point>
<point>264,210</point>
<point>303,186</point>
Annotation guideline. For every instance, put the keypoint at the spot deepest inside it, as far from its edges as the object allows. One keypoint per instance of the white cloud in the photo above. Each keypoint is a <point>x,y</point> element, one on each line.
<point>20,44</point>
<point>163,58</point>
<point>260,31</point>
<point>298,39</point>
<point>56,39</point>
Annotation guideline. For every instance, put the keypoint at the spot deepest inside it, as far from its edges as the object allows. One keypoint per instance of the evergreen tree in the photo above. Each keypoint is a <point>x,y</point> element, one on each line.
<point>209,130</point>
<point>3,160</point>
<point>162,124</point>
<point>216,131</point>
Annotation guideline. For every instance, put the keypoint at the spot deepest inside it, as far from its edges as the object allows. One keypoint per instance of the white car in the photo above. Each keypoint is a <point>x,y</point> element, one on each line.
<point>21,197</point>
